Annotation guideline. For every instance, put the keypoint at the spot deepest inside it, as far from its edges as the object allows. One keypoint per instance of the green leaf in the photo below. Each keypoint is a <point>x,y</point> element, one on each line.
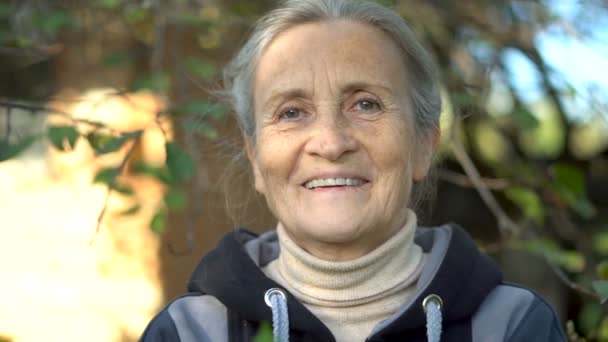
<point>179,162</point>
<point>602,270</point>
<point>131,211</point>
<point>107,144</point>
<point>123,189</point>
<point>264,333</point>
<point>106,175</point>
<point>600,241</point>
<point>160,173</point>
<point>176,199</point>
<point>571,260</point>
<point>98,140</point>
<point>570,185</point>
<point>570,178</point>
<point>201,68</point>
<point>158,82</point>
<point>601,288</point>
<point>8,150</point>
<point>525,119</point>
<point>62,135</point>
<point>528,201</point>
<point>158,225</point>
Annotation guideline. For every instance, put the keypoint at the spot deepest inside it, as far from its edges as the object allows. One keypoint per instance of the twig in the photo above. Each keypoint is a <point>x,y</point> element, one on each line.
<point>41,108</point>
<point>465,182</point>
<point>111,184</point>
<point>506,226</point>
<point>568,282</point>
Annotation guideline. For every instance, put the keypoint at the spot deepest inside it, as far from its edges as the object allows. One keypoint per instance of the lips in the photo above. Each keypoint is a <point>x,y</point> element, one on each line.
<point>333,182</point>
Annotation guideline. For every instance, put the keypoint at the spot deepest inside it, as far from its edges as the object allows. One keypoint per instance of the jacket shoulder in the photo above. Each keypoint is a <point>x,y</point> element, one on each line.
<point>192,317</point>
<point>514,313</point>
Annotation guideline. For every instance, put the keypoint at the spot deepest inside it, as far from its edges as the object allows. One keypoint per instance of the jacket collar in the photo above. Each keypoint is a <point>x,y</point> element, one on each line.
<point>455,270</point>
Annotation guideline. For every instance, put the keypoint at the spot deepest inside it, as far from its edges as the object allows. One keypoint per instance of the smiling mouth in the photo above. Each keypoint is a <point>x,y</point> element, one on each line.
<point>333,182</point>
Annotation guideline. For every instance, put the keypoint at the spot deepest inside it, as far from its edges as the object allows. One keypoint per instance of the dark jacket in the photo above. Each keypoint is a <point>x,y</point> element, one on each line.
<point>227,297</point>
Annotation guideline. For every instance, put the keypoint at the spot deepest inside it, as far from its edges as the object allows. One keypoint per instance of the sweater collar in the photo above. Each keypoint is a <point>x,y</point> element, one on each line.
<point>390,267</point>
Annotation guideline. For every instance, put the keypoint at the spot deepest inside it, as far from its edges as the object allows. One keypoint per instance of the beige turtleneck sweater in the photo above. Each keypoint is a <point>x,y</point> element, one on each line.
<point>351,297</point>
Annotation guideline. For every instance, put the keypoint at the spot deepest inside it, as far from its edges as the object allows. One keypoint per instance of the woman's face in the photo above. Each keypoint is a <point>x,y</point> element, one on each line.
<point>336,151</point>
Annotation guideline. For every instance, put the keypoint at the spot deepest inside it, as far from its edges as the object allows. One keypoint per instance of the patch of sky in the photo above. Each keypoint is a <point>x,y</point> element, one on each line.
<point>525,10</point>
<point>575,50</point>
<point>523,75</point>
<point>582,65</point>
<point>567,9</point>
<point>482,51</point>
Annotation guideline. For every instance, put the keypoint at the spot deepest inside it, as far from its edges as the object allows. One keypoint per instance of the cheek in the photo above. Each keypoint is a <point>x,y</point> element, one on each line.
<point>275,160</point>
<point>392,156</point>
<point>394,146</point>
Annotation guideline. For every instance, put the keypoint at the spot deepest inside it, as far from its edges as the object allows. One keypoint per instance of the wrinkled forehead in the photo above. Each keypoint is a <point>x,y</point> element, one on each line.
<point>335,51</point>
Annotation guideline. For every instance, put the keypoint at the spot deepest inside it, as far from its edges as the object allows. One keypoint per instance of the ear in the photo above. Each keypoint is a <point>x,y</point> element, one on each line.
<point>424,152</point>
<point>260,186</point>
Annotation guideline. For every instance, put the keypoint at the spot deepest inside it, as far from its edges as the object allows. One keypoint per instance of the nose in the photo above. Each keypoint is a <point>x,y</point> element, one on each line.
<point>331,139</point>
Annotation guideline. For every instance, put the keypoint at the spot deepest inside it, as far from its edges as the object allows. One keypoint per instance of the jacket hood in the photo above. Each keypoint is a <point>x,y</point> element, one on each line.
<point>455,270</point>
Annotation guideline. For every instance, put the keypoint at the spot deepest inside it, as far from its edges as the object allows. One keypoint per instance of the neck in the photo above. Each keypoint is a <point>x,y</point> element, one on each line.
<point>344,251</point>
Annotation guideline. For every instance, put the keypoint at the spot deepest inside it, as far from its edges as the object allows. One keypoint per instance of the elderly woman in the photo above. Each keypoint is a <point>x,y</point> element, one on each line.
<point>339,107</point>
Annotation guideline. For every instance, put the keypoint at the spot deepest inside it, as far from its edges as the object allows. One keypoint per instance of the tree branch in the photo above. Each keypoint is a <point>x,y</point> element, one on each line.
<point>111,184</point>
<point>571,284</point>
<point>465,182</point>
<point>33,108</point>
<point>506,226</point>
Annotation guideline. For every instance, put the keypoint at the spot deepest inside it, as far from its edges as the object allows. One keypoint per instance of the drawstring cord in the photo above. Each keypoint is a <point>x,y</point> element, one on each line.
<point>277,301</point>
<point>432,308</point>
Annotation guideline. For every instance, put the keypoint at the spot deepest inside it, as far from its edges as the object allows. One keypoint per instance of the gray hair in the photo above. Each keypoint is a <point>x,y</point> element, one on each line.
<point>239,73</point>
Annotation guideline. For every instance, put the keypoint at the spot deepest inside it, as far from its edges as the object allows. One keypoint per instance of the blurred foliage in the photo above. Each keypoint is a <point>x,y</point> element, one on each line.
<point>264,333</point>
<point>548,152</point>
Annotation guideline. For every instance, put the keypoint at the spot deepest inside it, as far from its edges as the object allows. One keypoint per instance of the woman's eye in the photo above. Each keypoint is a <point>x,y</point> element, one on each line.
<point>367,105</point>
<point>290,114</point>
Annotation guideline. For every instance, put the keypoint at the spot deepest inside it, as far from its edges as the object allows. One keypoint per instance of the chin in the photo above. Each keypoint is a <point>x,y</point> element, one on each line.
<point>335,231</point>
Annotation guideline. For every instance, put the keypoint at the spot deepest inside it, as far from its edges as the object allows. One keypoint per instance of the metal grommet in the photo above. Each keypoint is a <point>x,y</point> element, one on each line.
<point>271,292</point>
<point>432,298</point>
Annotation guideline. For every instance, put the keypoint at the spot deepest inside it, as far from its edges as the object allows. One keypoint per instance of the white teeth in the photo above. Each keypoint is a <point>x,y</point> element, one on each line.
<point>315,183</point>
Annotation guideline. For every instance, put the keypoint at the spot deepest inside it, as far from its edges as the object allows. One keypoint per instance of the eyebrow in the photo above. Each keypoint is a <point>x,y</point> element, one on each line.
<point>286,94</point>
<point>356,85</point>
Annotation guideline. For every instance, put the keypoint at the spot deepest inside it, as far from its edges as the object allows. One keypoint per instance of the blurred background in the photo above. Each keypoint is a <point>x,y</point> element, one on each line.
<point>116,152</point>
